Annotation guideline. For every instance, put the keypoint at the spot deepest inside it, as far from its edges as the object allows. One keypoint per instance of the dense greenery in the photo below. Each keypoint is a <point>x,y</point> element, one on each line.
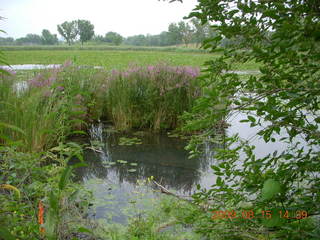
<point>283,102</point>
<point>151,97</point>
<point>40,114</point>
<point>281,37</point>
<point>115,59</point>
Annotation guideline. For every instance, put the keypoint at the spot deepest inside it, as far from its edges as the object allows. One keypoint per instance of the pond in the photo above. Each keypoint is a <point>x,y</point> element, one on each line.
<point>117,174</point>
<point>114,173</point>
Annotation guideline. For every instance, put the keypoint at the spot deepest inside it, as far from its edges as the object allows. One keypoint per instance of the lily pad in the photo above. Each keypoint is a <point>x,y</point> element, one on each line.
<point>122,161</point>
<point>132,170</point>
<point>134,164</point>
<point>129,141</point>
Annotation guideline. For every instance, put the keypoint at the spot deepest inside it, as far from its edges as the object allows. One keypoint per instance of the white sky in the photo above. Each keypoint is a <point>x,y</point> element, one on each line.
<point>127,17</point>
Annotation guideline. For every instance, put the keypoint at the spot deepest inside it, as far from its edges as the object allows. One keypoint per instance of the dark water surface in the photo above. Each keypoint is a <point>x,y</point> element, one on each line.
<point>116,185</point>
<point>120,188</point>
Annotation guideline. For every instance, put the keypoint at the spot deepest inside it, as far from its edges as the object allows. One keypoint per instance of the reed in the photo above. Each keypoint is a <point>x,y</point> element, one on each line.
<point>57,103</point>
<point>150,97</point>
<point>47,108</point>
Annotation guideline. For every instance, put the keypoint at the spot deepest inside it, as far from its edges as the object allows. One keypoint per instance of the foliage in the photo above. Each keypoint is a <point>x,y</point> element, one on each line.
<point>37,180</point>
<point>47,108</point>
<point>68,30</point>
<point>86,30</point>
<point>282,102</point>
<point>6,41</point>
<point>48,38</point>
<point>150,97</point>
<point>113,59</point>
<point>113,38</point>
<point>29,39</point>
<point>168,219</point>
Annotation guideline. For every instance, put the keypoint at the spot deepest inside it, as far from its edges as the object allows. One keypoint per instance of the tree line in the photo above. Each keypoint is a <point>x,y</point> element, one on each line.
<point>83,31</point>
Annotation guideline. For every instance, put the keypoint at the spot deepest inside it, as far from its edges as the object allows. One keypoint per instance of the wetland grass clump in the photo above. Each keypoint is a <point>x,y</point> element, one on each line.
<point>151,97</point>
<point>44,110</point>
<point>48,108</point>
<point>38,114</point>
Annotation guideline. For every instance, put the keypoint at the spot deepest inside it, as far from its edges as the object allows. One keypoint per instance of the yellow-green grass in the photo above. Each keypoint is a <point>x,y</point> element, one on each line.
<point>114,59</point>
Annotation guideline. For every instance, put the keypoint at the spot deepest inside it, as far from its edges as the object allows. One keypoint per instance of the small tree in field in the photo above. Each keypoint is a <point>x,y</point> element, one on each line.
<point>113,38</point>
<point>69,31</point>
<point>48,38</point>
<point>86,30</point>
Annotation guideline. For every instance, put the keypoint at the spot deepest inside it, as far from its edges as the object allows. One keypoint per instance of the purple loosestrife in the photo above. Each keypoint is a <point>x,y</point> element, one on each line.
<point>67,63</point>
<point>60,88</point>
<point>39,81</point>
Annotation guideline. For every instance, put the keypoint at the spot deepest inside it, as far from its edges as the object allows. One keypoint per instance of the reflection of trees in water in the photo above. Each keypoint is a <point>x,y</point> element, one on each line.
<point>158,156</point>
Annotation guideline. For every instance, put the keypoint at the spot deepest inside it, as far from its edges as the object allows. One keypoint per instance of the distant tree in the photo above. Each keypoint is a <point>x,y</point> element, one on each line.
<point>164,39</point>
<point>69,31</point>
<point>137,40</point>
<point>113,38</point>
<point>199,31</point>
<point>175,36</point>
<point>86,30</point>
<point>6,41</point>
<point>186,32</point>
<point>98,38</point>
<point>48,38</point>
<point>29,39</point>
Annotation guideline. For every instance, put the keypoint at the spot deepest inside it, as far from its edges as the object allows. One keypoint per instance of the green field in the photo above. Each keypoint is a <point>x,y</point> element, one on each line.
<point>113,59</point>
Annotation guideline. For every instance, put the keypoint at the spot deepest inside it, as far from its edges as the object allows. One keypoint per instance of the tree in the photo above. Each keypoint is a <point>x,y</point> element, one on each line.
<point>137,40</point>
<point>201,31</point>
<point>283,102</point>
<point>6,40</point>
<point>98,38</point>
<point>186,32</point>
<point>174,33</point>
<point>48,38</point>
<point>86,30</point>
<point>30,39</point>
<point>113,38</point>
<point>69,31</point>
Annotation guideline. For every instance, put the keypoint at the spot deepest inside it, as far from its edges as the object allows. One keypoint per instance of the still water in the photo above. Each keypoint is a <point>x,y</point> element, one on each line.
<point>117,174</point>
<point>115,184</point>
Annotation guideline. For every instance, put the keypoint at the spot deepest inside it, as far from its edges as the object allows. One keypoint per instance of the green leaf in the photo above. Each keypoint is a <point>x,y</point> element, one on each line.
<point>65,177</point>
<point>84,230</point>
<point>54,202</point>
<point>270,188</point>
<point>5,234</point>
<point>252,119</point>
<point>12,127</point>
<point>215,168</point>
<point>275,219</point>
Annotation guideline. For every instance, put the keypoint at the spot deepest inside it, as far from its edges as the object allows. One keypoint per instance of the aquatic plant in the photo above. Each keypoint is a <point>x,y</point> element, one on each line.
<point>150,97</point>
<point>55,104</point>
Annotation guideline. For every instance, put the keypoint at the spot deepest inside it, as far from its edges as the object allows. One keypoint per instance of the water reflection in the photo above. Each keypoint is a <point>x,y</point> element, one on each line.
<point>114,183</point>
<point>159,156</point>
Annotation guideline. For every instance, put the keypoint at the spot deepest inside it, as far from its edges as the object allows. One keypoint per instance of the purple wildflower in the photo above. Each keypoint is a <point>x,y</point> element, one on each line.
<point>60,88</point>
<point>67,63</point>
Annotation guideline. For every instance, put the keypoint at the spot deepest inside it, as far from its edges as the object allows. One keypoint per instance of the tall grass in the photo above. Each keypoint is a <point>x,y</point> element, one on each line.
<point>150,97</point>
<point>56,103</point>
<point>47,108</point>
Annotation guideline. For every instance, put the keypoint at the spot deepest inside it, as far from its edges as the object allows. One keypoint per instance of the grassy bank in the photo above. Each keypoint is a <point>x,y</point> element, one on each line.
<point>39,114</point>
<point>115,59</point>
<point>105,47</point>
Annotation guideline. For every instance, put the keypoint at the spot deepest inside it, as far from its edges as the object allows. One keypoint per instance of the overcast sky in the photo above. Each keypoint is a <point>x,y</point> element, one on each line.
<point>127,17</point>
